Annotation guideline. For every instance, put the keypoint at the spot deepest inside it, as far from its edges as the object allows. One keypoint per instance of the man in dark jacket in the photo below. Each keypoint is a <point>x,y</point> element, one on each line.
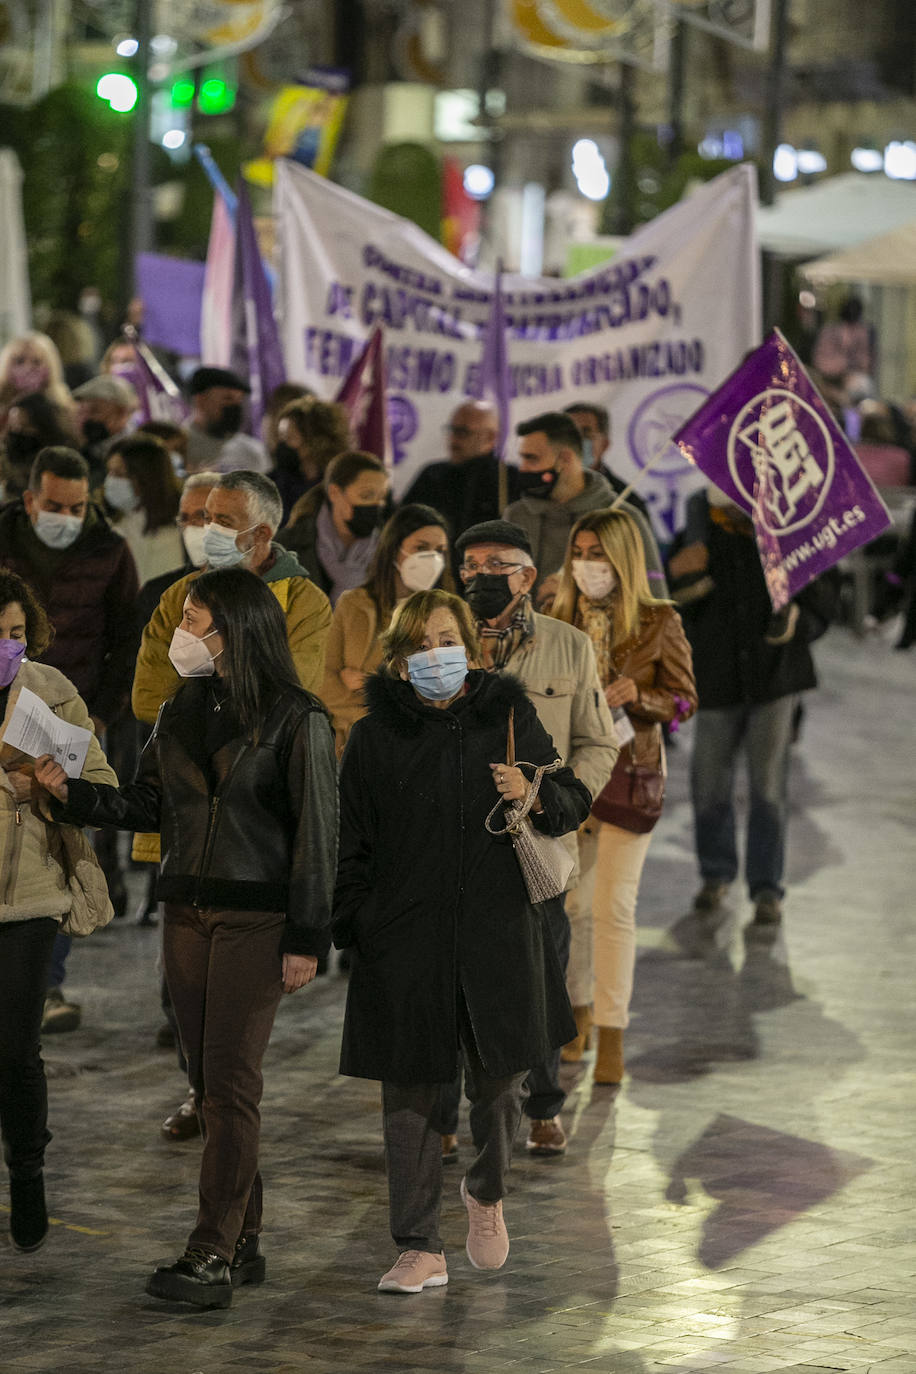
<point>750,665</point>
<point>85,577</point>
<point>465,489</point>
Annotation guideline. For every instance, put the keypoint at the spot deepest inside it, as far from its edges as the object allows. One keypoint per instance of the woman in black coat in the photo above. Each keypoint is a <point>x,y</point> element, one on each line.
<point>449,957</point>
<point>240,776</point>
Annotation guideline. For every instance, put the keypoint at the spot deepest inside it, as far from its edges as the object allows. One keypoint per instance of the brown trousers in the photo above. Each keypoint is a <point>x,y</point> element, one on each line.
<point>223,970</point>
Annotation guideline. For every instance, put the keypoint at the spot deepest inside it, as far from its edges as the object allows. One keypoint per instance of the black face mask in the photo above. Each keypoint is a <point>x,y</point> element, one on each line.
<point>364,520</point>
<point>539,484</point>
<point>228,422</point>
<point>21,448</point>
<point>286,458</point>
<point>95,432</point>
<point>488,595</point>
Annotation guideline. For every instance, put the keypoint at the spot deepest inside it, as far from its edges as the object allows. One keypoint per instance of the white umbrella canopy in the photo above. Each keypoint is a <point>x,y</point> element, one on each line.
<point>888,260</point>
<point>835,214</point>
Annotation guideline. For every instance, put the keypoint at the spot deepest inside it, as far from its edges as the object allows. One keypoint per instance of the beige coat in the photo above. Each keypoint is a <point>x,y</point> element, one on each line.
<point>32,883</point>
<point>557,669</point>
<point>353,642</point>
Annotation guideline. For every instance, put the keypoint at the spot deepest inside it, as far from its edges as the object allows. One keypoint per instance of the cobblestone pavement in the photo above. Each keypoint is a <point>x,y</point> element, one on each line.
<point>744,1203</point>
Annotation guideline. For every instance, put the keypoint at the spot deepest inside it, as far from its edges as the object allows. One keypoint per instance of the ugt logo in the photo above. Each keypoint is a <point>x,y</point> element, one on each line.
<point>791,456</point>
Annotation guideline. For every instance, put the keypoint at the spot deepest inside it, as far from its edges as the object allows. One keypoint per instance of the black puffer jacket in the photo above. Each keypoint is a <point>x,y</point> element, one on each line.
<point>254,828</point>
<point>431,902</point>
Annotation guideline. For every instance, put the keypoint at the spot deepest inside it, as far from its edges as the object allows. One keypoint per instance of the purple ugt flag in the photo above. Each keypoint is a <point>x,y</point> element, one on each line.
<point>767,439</point>
<point>494,365</point>
<point>362,394</point>
<point>256,351</point>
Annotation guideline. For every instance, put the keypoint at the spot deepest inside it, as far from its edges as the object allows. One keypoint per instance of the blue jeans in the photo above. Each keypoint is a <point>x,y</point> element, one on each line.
<point>764,732</point>
<point>58,970</point>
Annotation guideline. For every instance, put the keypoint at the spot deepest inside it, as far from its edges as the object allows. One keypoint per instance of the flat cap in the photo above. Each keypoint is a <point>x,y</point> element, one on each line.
<point>107,387</point>
<point>494,532</point>
<point>206,377</point>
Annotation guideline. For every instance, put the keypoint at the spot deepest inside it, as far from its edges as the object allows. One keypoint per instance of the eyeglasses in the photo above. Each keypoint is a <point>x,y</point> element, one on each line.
<point>199,519</point>
<point>493,567</point>
<point>461,431</point>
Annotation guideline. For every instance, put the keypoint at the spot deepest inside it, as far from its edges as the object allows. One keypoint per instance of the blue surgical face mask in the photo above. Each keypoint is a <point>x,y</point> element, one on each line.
<point>120,493</point>
<point>221,547</point>
<point>588,453</point>
<point>437,674</point>
<point>57,531</point>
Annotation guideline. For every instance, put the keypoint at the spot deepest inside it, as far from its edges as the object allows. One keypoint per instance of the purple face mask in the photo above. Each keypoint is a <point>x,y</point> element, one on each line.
<point>11,655</point>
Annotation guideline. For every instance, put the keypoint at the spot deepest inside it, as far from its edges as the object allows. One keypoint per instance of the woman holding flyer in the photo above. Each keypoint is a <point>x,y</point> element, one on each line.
<point>34,903</point>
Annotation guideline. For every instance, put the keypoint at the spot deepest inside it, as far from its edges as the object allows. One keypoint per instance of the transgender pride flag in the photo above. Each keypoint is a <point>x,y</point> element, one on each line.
<point>219,277</point>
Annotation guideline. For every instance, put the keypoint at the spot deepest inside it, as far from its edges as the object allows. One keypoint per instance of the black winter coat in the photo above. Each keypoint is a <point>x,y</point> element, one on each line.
<point>727,611</point>
<point>89,592</point>
<point>253,828</point>
<point>434,905</point>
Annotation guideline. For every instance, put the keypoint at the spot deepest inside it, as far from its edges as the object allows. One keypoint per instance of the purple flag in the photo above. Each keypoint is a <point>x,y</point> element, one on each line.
<point>362,394</point>
<point>158,395</point>
<point>172,290</point>
<point>256,351</point>
<point>767,439</point>
<point>494,364</point>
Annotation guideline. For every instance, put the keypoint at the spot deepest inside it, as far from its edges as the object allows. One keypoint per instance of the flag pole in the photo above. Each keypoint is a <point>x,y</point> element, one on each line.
<point>656,458</point>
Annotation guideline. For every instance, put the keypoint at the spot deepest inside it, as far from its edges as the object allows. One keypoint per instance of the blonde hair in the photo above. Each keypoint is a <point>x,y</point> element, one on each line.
<point>408,626</point>
<point>55,388</point>
<point>621,542</point>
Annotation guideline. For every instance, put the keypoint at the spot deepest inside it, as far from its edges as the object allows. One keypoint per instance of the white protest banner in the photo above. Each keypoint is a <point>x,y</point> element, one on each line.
<point>648,335</point>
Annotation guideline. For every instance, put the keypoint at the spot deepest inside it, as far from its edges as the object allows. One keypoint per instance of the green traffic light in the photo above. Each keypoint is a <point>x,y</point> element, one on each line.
<point>182,91</point>
<point>215,96</point>
<point>119,89</point>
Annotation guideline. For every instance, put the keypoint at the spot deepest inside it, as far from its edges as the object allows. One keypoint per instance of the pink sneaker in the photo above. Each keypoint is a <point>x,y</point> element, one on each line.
<point>488,1239</point>
<point>414,1270</point>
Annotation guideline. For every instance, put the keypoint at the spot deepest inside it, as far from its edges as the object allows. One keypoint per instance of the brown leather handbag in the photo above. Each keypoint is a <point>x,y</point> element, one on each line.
<point>634,794</point>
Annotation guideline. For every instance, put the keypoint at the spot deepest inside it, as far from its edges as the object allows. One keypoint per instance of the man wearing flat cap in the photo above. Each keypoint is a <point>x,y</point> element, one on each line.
<point>555,663</point>
<point>104,406</point>
<point>215,440</point>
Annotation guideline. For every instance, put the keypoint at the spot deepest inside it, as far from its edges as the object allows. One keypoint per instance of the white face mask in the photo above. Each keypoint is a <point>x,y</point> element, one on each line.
<point>120,493</point>
<point>193,538</point>
<point>189,655</point>
<point>594,579</point>
<point>57,531</point>
<point>421,571</point>
<point>222,548</point>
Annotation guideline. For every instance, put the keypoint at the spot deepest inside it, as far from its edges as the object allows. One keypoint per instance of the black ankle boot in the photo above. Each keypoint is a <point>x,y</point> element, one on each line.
<point>28,1213</point>
<point>200,1277</point>
<point>248,1264</point>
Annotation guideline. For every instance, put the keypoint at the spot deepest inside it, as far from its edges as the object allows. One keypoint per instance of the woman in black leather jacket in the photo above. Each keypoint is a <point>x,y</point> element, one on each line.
<point>240,777</point>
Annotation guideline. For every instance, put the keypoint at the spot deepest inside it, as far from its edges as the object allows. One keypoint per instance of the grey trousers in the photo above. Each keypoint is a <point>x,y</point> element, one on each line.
<point>413,1147</point>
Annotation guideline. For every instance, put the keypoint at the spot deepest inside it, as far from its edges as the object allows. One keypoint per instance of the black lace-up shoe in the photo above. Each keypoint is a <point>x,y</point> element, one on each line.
<point>200,1277</point>
<point>28,1213</point>
<point>248,1264</point>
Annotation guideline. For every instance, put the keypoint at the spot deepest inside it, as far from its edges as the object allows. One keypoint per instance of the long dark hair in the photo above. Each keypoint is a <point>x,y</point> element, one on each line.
<point>149,467</point>
<point>381,583</point>
<point>257,666</point>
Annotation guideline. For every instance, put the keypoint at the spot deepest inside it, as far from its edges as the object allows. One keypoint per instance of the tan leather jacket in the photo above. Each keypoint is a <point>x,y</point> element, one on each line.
<point>658,659</point>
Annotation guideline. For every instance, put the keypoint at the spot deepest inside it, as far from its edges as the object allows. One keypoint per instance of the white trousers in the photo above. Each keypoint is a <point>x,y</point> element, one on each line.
<point>602,919</point>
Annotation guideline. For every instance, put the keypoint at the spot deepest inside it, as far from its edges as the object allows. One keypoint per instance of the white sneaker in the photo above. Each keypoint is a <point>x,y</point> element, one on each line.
<point>414,1270</point>
<point>488,1240</point>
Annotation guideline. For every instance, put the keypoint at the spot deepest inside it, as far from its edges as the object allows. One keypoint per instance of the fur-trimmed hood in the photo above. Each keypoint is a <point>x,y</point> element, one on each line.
<point>487,699</point>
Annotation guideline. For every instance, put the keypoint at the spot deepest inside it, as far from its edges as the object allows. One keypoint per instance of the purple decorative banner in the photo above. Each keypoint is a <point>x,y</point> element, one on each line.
<point>362,394</point>
<point>494,366</point>
<point>256,351</point>
<point>766,438</point>
<point>171,289</point>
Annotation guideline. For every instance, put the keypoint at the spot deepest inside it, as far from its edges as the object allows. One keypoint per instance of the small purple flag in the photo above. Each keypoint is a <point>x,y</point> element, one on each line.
<point>362,394</point>
<point>767,439</point>
<point>494,364</point>
<point>256,351</point>
<point>159,396</point>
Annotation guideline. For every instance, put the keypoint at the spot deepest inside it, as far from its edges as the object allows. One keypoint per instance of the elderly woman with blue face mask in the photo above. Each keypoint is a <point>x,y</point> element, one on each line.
<point>449,959</point>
